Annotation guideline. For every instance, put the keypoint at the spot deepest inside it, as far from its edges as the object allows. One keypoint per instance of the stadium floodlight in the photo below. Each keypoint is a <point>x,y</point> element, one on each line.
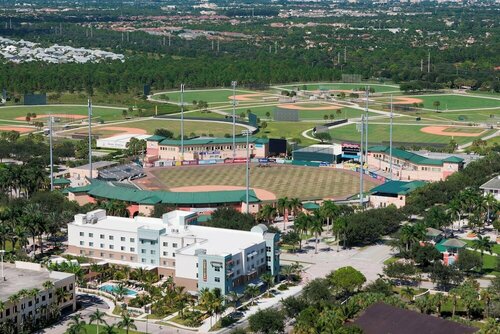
<point>182,121</point>
<point>90,137</point>
<point>247,175</point>
<point>51,120</point>
<point>390,140</point>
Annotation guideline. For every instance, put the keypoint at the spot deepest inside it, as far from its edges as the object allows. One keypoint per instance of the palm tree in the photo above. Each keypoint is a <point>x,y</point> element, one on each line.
<point>109,329</point>
<point>98,318</point>
<point>295,205</point>
<point>120,291</point>
<point>77,325</point>
<point>282,207</point>
<point>408,292</point>
<point>252,291</point>
<point>330,211</point>
<point>232,298</point>
<point>340,227</point>
<point>482,244</point>
<point>269,280</point>
<point>316,227</point>
<point>454,293</point>
<point>287,271</point>
<point>301,225</point>
<point>411,234</point>
<point>486,296</point>
<point>268,213</point>
<point>14,300</point>
<point>126,323</point>
<point>456,207</point>
<point>438,300</point>
<point>206,301</point>
<point>2,308</point>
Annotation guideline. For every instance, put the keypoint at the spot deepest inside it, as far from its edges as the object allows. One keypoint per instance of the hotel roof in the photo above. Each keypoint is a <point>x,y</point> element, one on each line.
<point>206,141</point>
<point>413,157</point>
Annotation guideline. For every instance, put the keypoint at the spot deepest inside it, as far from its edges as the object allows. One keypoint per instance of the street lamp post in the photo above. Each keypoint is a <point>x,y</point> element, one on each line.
<point>247,176</point>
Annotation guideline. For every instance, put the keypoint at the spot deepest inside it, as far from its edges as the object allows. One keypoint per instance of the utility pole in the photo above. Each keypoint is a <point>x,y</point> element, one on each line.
<point>345,54</point>
<point>233,84</point>
<point>90,137</point>
<point>51,120</point>
<point>390,140</point>
<point>275,47</point>
<point>421,65</point>
<point>182,122</point>
<point>169,40</point>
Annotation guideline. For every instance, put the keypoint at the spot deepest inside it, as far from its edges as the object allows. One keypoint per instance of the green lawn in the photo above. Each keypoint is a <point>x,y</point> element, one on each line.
<point>220,95</point>
<point>281,180</point>
<point>288,130</point>
<point>150,125</point>
<point>92,329</point>
<point>378,133</point>
<point>484,116</point>
<point>343,86</point>
<point>107,114</point>
<point>456,102</point>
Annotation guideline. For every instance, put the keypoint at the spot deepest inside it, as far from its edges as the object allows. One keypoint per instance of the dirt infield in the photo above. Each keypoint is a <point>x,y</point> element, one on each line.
<point>247,97</point>
<point>406,100</point>
<point>71,116</point>
<point>445,131</point>
<point>20,129</point>
<point>262,194</point>
<point>124,129</point>
<point>298,107</point>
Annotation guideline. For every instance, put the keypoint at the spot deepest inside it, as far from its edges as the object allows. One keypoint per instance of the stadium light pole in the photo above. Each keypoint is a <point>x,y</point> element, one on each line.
<point>366,118</point>
<point>182,121</point>
<point>361,163</point>
<point>2,252</point>
<point>90,137</point>
<point>51,155</point>
<point>233,84</point>
<point>390,140</point>
<point>247,175</point>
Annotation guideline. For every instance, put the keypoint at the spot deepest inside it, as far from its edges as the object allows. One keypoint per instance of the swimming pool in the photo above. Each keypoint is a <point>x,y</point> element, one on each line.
<point>112,288</point>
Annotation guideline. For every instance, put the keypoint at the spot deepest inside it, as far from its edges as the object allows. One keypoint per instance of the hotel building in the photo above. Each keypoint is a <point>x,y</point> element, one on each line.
<point>195,256</point>
<point>408,166</point>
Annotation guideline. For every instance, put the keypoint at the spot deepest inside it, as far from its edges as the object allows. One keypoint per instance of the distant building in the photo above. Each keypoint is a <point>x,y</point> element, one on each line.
<point>492,187</point>
<point>27,276</point>
<point>328,153</point>
<point>409,166</point>
<point>162,149</point>
<point>195,256</point>
<point>392,192</point>
<point>120,141</point>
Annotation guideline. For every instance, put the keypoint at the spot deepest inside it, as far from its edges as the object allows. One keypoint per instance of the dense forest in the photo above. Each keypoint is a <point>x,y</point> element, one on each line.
<point>462,43</point>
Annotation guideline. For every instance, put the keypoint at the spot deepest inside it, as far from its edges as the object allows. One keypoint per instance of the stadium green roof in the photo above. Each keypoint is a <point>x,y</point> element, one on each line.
<point>114,191</point>
<point>310,206</point>
<point>207,141</point>
<point>413,157</point>
<point>397,187</point>
<point>61,182</point>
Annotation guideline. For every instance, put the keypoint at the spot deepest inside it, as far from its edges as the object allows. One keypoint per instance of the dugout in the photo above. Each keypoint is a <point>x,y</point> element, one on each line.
<point>331,154</point>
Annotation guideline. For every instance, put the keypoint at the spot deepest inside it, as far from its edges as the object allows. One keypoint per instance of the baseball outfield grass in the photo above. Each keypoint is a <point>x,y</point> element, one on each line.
<point>107,114</point>
<point>281,180</point>
<point>342,86</point>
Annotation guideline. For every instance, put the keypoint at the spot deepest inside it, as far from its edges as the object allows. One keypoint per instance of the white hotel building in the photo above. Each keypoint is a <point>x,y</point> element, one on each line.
<point>174,245</point>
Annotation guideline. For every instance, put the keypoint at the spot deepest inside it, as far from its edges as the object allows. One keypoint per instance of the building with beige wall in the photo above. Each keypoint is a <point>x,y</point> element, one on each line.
<point>79,175</point>
<point>30,277</point>
<point>392,193</point>
<point>161,148</point>
<point>174,245</point>
<point>408,166</point>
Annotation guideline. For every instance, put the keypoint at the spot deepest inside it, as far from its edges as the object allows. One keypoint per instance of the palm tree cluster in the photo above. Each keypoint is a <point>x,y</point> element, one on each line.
<point>284,207</point>
<point>212,302</point>
<point>23,180</point>
<point>478,208</point>
<point>78,326</point>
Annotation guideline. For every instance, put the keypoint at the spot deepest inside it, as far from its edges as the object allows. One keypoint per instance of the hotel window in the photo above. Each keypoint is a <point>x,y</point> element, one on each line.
<point>217,279</point>
<point>143,251</point>
<point>81,234</point>
<point>122,248</point>
<point>165,244</point>
<point>91,235</point>
<point>122,257</point>
<point>131,258</point>
<point>91,244</point>
<point>91,253</point>
<point>110,256</point>
<point>132,249</point>
<point>153,252</point>
<point>165,253</point>
<point>101,245</point>
<point>111,247</point>
<point>101,236</point>
<point>111,237</point>
<point>132,240</point>
<point>217,269</point>
<point>174,245</point>
<point>101,254</point>
<point>122,239</point>
<point>152,261</point>
<point>143,260</point>
<point>164,263</point>
<point>81,243</point>
<point>268,249</point>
